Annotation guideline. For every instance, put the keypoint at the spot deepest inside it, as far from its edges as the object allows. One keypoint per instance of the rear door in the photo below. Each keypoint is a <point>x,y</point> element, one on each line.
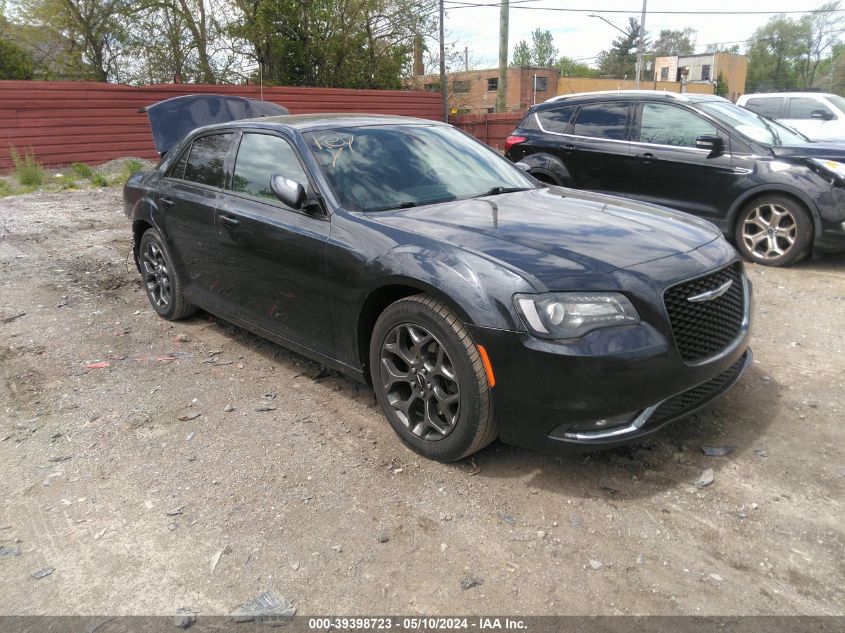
<point>671,171</point>
<point>273,257</point>
<point>596,152</point>
<point>811,117</point>
<point>187,198</point>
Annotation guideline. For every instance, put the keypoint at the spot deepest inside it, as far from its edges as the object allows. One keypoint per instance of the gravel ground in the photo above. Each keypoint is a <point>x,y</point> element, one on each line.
<point>154,465</point>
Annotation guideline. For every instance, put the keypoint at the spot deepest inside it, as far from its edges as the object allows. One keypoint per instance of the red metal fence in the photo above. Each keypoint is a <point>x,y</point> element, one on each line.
<point>63,122</point>
<point>492,129</point>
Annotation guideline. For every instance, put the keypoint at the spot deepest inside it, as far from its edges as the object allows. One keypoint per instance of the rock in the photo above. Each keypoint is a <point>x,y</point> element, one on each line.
<point>189,416</point>
<point>43,573</point>
<point>705,479</point>
<point>507,518</point>
<point>182,338</point>
<point>184,618</point>
<point>468,582</point>
<point>717,451</point>
<point>541,534</point>
<point>754,506</point>
<point>596,564</point>
<point>640,560</point>
<point>760,452</point>
<point>383,537</point>
<point>608,484</point>
<point>337,548</point>
<point>264,408</point>
<point>269,608</point>
<point>10,551</point>
<point>576,522</point>
<point>218,555</point>
<point>229,408</point>
<point>716,577</point>
<point>295,566</point>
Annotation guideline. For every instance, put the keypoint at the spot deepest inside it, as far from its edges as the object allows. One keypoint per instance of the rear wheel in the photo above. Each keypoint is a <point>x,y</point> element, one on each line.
<point>774,231</point>
<point>430,380</point>
<point>161,281</point>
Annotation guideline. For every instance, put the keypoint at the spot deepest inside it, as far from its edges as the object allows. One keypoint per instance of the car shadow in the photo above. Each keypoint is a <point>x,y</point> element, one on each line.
<point>672,457</point>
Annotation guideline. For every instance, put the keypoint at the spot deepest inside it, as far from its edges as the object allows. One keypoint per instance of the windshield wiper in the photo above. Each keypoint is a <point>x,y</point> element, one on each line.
<point>495,191</point>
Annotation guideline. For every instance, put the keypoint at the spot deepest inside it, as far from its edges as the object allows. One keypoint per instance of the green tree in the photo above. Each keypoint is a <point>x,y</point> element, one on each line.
<point>721,85</point>
<point>620,60</point>
<point>521,55</point>
<point>15,61</point>
<point>671,42</point>
<point>775,53</point>
<point>568,67</point>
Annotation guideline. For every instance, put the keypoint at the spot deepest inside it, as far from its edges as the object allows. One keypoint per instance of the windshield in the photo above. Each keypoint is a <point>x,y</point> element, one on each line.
<point>397,166</point>
<point>752,125</point>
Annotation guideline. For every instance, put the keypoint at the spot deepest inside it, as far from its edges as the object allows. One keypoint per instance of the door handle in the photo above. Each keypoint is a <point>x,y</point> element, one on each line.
<point>646,157</point>
<point>229,220</point>
<point>168,202</point>
<point>568,148</point>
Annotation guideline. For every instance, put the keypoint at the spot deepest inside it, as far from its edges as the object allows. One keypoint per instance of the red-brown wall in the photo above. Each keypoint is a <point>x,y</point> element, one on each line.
<point>66,121</point>
<point>492,129</point>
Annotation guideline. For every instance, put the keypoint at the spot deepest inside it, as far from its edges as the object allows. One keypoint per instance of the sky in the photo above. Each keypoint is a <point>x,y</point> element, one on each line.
<point>579,36</point>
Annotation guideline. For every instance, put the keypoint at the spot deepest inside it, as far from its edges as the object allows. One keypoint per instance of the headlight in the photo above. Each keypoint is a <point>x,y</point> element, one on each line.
<point>564,315</point>
<point>830,166</point>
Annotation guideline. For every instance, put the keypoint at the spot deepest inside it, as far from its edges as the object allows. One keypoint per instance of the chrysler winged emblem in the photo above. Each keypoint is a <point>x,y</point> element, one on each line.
<point>709,295</point>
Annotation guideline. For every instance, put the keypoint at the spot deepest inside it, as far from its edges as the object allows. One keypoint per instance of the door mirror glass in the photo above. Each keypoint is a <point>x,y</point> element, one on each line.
<point>710,143</point>
<point>288,191</point>
<point>821,114</point>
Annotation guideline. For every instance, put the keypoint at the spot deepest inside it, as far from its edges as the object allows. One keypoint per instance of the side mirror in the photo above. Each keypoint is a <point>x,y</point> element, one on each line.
<point>523,166</point>
<point>824,115</point>
<point>711,143</point>
<point>288,191</point>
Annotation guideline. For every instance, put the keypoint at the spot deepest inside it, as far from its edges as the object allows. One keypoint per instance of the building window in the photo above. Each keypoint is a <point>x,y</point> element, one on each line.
<point>492,84</point>
<point>541,84</point>
<point>430,87</point>
<point>664,73</point>
<point>461,86</point>
<point>705,72</point>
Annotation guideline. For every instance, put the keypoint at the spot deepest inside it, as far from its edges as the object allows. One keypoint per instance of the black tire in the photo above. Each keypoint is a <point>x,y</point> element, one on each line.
<point>774,231</point>
<point>420,405</point>
<point>161,280</point>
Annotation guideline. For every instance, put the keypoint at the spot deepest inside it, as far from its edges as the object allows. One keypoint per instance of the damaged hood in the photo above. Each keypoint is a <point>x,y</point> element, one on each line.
<point>174,118</point>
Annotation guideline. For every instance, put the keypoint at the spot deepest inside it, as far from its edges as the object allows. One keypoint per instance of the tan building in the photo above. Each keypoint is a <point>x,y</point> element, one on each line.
<point>705,69</point>
<point>474,91</point>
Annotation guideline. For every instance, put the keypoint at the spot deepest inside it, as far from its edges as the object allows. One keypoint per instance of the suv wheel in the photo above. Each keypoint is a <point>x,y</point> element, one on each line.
<point>774,231</point>
<point>430,380</point>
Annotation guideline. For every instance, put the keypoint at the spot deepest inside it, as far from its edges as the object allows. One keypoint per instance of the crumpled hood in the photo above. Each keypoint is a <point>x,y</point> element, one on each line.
<point>553,231</point>
<point>823,150</point>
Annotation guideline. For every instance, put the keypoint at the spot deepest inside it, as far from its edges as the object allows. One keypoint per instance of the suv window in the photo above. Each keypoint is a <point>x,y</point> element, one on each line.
<point>206,159</point>
<point>768,106</point>
<point>261,156</point>
<point>557,119</point>
<point>803,107</point>
<point>602,120</point>
<point>664,124</point>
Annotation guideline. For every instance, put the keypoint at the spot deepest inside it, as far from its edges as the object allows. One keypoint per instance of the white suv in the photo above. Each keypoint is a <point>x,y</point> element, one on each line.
<point>817,115</point>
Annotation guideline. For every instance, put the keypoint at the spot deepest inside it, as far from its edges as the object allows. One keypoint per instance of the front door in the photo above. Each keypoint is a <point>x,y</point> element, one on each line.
<point>273,257</point>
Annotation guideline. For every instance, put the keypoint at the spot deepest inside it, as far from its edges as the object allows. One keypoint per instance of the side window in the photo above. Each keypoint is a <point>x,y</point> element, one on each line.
<point>556,119</point>
<point>769,107</point>
<point>261,156</point>
<point>206,159</point>
<point>663,124</point>
<point>802,108</point>
<point>178,168</point>
<point>602,120</point>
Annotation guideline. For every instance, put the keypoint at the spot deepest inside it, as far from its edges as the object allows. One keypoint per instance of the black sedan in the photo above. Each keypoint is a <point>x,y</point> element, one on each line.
<point>477,301</point>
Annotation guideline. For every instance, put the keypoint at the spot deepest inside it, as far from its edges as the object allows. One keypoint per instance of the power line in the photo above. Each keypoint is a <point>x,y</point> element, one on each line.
<point>516,4</point>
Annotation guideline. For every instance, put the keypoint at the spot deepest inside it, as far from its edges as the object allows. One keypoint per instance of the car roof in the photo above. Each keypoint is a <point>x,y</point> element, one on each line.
<point>627,94</point>
<point>757,95</point>
<point>311,122</point>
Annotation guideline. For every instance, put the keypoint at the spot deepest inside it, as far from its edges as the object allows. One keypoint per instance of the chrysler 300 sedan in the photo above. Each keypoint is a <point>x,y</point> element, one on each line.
<point>477,301</point>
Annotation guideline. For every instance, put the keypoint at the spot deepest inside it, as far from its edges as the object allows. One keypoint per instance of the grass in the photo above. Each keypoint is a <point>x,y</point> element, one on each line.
<point>98,180</point>
<point>81,171</point>
<point>28,171</point>
<point>5,189</point>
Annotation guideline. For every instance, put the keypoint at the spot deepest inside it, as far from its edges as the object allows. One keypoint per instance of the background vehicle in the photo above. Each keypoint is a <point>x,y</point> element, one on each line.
<point>818,116</point>
<point>775,194</point>
<point>407,254</point>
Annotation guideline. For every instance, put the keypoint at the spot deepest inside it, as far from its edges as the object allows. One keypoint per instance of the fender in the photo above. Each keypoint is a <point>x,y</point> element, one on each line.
<point>542,165</point>
<point>727,224</point>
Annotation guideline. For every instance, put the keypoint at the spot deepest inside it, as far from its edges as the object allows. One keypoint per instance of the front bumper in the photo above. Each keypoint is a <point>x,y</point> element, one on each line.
<point>613,386</point>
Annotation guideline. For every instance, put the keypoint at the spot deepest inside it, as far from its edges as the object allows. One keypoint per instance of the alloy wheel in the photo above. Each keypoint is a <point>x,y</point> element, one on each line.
<point>769,231</point>
<point>156,276</point>
<point>420,381</point>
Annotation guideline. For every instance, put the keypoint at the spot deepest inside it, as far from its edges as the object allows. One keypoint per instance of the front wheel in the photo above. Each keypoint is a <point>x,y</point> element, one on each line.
<point>430,380</point>
<point>774,231</point>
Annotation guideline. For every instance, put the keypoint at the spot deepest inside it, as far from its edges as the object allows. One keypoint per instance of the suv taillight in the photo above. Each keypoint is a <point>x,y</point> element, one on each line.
<point>513,140</point>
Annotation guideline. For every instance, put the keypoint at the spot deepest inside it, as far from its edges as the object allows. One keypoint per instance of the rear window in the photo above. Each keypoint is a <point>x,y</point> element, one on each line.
<point>769,106</point>
<point>557,119</point>
<point>602,120</point>
<point>207,158</point>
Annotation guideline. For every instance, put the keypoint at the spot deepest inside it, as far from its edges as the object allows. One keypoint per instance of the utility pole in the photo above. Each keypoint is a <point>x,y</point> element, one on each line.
<point>502,91</point>
<point>466,57</point>
<point>640,47</point>
<point>444,87</point>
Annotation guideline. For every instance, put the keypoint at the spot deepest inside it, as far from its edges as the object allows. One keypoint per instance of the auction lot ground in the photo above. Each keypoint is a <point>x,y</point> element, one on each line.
<point>302,487</point>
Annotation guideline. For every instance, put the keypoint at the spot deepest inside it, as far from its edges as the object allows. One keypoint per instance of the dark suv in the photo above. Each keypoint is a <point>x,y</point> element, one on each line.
<point>776,194</point>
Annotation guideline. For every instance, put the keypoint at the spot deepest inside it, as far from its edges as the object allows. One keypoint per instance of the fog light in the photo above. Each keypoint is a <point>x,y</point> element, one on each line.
<point>604,423</point>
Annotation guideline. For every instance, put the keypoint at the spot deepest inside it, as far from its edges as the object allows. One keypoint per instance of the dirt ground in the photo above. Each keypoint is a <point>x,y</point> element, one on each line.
<point>289,478</point>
